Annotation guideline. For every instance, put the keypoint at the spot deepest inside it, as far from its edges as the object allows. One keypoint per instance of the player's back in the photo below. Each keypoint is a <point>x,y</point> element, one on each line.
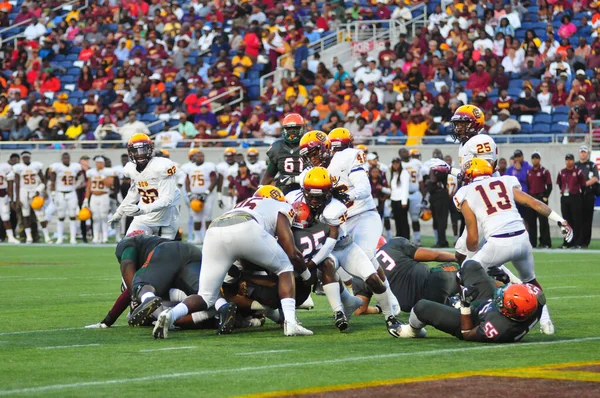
<point>142,246</point>
<point>479,146</point>
<point>342,165</point>
<point>265,211</point>
<point>492,200</point>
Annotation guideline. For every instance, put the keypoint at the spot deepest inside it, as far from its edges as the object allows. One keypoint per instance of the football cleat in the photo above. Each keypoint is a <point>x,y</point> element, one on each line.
<point>163,324</point>
<point>73,241</point>
<point>295,329</point>
<point>59,241</point>
<point>353,304</point>
<point>140,314</point>
<point>13,241</point>
<point>393,326</point>
<point>308,304</point>
<point>546,327</point>
<point>408,332</point>
<point>29,241</point>
<point>340,320</point>
<point>227,314</point>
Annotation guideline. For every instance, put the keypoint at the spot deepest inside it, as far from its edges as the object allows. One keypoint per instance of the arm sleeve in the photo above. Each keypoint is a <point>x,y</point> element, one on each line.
<point>362,186</point>
<point>132,197</point>
<point>129,254</point>
<point>324,251</point>
<point>404,185</point>
<point>168,186</point>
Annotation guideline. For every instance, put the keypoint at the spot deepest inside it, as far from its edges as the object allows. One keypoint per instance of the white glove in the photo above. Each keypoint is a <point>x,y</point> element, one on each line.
<point>86,203</point>
<point>115,220</point>
<point>566,230</point>
<point>133,210</point>
<point>98,325</point>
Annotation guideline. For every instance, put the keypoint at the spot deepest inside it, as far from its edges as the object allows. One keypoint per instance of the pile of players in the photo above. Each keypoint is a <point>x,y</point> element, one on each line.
<point>264,255</point>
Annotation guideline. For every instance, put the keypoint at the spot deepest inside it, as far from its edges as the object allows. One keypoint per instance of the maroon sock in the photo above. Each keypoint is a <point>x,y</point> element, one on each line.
<point>118,307</point>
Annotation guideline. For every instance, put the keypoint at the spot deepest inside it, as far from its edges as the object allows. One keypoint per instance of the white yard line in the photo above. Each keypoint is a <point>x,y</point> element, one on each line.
<point>59,347</point>
<point>263,352</point>
<point>51,330</point>
<point>464,348</point>
<point>192,347</point>
<point>560,287</point>
<point>572,297</point>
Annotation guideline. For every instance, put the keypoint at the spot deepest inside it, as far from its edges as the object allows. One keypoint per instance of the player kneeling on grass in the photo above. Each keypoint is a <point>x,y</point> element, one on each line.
<point>487,314</point>
<point>247,232</point>
<point>410,279</point>
<point>489,205</point>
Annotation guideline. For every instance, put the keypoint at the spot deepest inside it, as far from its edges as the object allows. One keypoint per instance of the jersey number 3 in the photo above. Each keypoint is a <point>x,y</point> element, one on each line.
<point>500,189</point>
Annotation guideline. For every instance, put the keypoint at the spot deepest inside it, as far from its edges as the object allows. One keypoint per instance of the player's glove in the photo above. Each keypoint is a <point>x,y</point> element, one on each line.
<point>498,274</point>
<point>86,203</point>
<point>287,180</point>
<point>467,295</point>
<point>202,197</point>
<point>115,220</point>
<point>133,210</point>
<point>341,195</point>
<point>566,230</point>
<point>98,325</point>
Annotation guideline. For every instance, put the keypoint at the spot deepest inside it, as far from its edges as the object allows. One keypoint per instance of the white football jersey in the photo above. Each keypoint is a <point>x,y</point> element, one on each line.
<point>199,176</point>
<point>413,167</point>
<point>227,170</point>
<point>452,184</point>
<point>6,174</point>
<point>347,168</point>
<point>96,178</point>
<point>265,211</point>
<point>66,176</point>
<point>334,214</point>
<point>29,178</point>
<point>257,168</point>
<point>480,146</point>
<point>156,183</point>
<point>425,167</point>
<point>492,200</point>
<point>119,170</point>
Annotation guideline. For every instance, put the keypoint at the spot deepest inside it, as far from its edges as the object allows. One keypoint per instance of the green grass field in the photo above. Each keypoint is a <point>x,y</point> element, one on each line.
<point>49,293</point>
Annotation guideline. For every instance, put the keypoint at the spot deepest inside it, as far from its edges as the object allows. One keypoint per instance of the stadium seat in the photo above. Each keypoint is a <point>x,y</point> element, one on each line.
<point>540,128</point>
<point>561,110</point>
<point>525,128</point>
<point>514,92</point>
<point>559,117</point>
<point>542,118</point>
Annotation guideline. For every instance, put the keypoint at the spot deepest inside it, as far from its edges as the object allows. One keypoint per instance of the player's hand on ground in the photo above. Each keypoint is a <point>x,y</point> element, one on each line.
<point>498,274</point>
<point>467,295</point>
<point>98,325</point>
<point>566,230</point>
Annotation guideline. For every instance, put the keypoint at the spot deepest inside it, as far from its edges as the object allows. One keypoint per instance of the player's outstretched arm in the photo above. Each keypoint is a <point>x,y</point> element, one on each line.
<point>425,255</point>
<point>362,186</point>
<point>527,200</point>
<point>129,200</point>
<point>327,248</point>
<point>471,225</point>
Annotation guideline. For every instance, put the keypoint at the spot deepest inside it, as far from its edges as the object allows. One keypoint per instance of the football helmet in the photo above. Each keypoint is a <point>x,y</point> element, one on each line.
<point>293,128</point>
<point>467,121</point>
<point>37,202</point>
<point>414,153</point>
<point>381,242</point>
<point>425,214</point>
<point>84,214</point>
<point>229,155</point>
<point>476,168</point>
<point>315,148</point>
<point>140,149</point>
<point>517,301</point>
<point>317,188</point>
<point>252,154</point>
<point>196,205</point>
<point>192,152</point>
<point>270,191</point>
<point>302,216</point>
<point>363,148</point>
<point>340,138</point>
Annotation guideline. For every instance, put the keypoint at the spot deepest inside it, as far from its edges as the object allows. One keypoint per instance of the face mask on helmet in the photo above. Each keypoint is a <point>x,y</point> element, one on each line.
<point>313,157</point>
<point>461,130</point>
<point>316,199</point>
<point>293,134</point>
<point>140,154</point>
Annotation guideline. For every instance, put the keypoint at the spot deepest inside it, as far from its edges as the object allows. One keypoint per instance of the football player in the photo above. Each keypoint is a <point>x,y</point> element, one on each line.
<point>63,178</point>
<point>7,178</point>
<point>100,183</point>
<point>489,207</point>
<point>411,162</point>
<point>468,122</point>
<point>185,194</point>
<point>227,170</point>
<point>255,165</point>
<point>153,198</point>
<point>29,183</point>
<point>123,183</point>
<point>200,182</point>
<point>234,236</point>
<point>486,314</point>
<point>410,279</point>
<point>284,155</point>
<point>317,194</point>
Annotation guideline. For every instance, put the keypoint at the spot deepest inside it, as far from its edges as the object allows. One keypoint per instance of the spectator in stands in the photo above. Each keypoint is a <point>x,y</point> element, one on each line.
<point>527,105</point>
<point>20,131</point>
<point>480,80</point>
<point>35,29</point>
<point>505,125</point>
<point>441,109</point>
<point>368,74</point>
<point>505,28</point>
<point>17,104</point>
<point>560,97</point>
<point>164,106</point>
<point>205,118</point>
<point>567,29</point>
<point>23,15</point>
<point>544,97</point>
<point>578,111</point>
<point>185,127</point>
<point>573,128</point>
<point>132,126</point>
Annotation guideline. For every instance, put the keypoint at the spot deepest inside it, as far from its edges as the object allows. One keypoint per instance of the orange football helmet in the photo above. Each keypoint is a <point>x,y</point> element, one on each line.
<point>196,205</point>
<point>340,138</point>
<point>425,214</point>
<point>414,153</point>
<point>467,120</point>
<point>382,241</point>
<point>317,188</point>
<point>140,149</point>
<point>252,154</point>
<point>271,192</point>
<point>293,128</point>
<point>302,216</point>
<point>315,148</point>
<point>192,152</point>
<point>517,301</point>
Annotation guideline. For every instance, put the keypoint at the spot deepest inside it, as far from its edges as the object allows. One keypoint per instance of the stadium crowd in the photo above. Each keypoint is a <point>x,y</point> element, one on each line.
<point>109,70</point>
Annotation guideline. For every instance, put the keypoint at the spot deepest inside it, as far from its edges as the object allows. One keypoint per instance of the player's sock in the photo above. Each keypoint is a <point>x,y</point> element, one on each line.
<point>435,236</point>
<point>417,236</point>
<point>28,234</point>
<point>60,229</point>
<point>332,292</point>
<point>256,306</point>
<point>177,295</point>
<point>46,234</point>
<point>179,311</point>
<point>345,296</point>
<point>104,230</point>
<point>198,236</point>
<point>513,277</point>
<point>201,316</point>
<point>10,234</point>
<point>219,303</point>
<point>96,229</point>
<point>288,305</point>
<point>384,302</point>
<point>190,228</point>
<point>545,314</point>
<point>117,309</point>
<point>147,295</point>
<point>414,321</point>
<point>73,229</point>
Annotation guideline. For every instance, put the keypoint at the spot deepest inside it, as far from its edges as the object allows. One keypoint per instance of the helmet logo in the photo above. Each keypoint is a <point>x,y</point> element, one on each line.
<point>476,113</point>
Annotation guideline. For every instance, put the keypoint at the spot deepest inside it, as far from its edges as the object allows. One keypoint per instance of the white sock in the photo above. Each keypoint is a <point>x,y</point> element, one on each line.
<point>197,236</point>
<point>332,292</point>
<point>46,234</point>
<point>345,296</point>
<point>73,229</point>
<point>104,230</point>
<point>288,305</point>
<point>177,295</point>
<point>202,316</point>
<point>384,302</point>
<point>60,229</point>
<point>256,306</point>
<point>10,233</point>
<point>96,230</point>
<point>414,321</point>
<point>545,314</point>
<point>219,303</point>
<point>28,233</point>
<point>147,295</point>
<point>179,311</point>
<point>417,236</point>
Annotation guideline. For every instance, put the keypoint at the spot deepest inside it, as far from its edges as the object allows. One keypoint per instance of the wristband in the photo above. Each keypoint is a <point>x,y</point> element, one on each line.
<point>305,275</point>
<point>554,217</point>
<point>465,310</point>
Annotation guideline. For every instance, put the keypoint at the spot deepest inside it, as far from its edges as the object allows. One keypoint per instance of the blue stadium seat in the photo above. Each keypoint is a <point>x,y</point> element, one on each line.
<point>561,110</point>
<point>254,91</point>
<point>559,117</point>
<point>583,126</point>
<point>517,83</point>
<point>514,92</point>
<point>540,128</point>
<point>525,128</point>
<point>73,71</point>
<point>558,128</point>
<point>542,118</point>
<point>157,129</point>
<point>543,140</point>
<point>520,140</point>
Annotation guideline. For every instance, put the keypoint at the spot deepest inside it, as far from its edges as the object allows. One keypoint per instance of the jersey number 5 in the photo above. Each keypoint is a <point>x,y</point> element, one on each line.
<point>489,330</point>
<point>500,189</point>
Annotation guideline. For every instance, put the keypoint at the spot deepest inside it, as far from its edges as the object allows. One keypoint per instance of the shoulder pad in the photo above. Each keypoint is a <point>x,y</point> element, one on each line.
<point>294,196</point>
<point>459,197</point>
<point>335,213</point>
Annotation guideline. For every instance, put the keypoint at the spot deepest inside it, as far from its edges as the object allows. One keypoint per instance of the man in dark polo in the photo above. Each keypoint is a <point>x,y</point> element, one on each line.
<point>519,169</point>
<point>590,174</point>
<point>571,183</point>
<point>540,186</point>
